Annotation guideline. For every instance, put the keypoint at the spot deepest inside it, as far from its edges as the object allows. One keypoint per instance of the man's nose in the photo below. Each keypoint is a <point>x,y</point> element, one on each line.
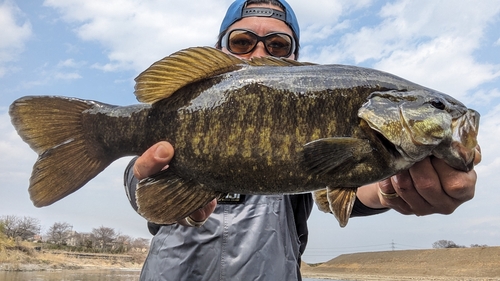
<point>259,51</point>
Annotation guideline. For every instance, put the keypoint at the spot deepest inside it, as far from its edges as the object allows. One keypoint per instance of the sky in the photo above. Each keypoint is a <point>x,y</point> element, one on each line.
<point>94,49</point>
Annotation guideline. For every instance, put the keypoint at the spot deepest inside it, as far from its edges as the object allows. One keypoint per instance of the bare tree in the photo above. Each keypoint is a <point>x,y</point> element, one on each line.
<point>2,233</point>
<point>445,244</point>
<point>25,228</point>
<point>59,233</point>
<point>140,244</point>
<point>4,240</point>
<point>122,243</point>
<point>104,236</point>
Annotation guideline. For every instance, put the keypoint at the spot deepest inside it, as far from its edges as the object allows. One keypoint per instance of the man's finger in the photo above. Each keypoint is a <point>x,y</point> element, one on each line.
<point>153,160</point>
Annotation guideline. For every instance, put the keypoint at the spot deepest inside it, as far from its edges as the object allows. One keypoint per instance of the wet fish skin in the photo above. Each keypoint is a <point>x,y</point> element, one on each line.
<point>242,127</point>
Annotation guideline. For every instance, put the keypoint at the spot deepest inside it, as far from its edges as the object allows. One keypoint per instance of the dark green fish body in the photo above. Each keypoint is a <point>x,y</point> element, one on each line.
<point>266,126</point>
<point>250,139</point>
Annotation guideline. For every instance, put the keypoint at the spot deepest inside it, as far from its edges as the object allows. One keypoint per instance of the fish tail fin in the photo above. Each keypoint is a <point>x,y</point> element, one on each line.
<point>166,198</point>
<point>338,201</point>
<point>67,158</point>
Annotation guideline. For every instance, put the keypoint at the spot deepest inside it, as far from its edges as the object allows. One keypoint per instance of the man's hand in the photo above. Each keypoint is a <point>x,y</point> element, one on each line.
<point>428,187</point>
<point>155,159</point>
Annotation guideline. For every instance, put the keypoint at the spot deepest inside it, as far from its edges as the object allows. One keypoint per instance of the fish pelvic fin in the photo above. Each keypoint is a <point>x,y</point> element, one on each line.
<point>320,197</point>
<point>171,73</point>
<point>184,67</point>
<point>166,198</point>
<point>52,126</point>
<point>338,201</point>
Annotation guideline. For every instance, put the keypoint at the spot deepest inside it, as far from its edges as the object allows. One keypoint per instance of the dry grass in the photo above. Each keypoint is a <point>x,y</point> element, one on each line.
<point>24,257</point>
<point>438,264</point>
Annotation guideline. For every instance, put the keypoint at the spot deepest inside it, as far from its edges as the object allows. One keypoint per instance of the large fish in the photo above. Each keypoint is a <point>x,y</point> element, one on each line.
<point>264,126</point>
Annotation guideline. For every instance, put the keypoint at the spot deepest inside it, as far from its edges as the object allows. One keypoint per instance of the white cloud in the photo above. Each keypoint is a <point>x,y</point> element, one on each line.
<point>484,97</point>
<point>324,12</point>
<point>137,33</point>
<point>61,74</point>
<point>423,41</point>
<point>71,63</point>
<point>439,64</point>
<point>67,76</point>
<point>14,33</point>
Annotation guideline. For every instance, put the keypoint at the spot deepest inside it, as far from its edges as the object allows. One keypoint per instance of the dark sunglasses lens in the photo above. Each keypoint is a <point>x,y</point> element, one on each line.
<point>241,42</point>
<point>279,44</point>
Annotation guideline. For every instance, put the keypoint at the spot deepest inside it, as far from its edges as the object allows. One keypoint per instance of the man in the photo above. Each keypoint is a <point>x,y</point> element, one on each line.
<point>249,237</point>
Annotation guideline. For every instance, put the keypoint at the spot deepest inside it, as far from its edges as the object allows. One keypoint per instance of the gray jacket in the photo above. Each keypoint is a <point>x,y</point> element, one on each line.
<point>260,238</point>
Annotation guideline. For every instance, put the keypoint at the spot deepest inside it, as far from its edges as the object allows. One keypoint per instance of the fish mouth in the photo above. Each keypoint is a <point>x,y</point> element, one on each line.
<point>388,145</point>
<point>459,153</point>
<point>464,137</point>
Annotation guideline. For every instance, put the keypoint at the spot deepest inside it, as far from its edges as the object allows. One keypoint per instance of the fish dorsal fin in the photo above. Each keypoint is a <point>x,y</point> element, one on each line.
<point>166,76</point>
<point>272,61</point>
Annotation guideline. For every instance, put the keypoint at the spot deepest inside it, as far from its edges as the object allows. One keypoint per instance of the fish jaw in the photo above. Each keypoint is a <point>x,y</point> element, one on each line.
<point>459,152</point>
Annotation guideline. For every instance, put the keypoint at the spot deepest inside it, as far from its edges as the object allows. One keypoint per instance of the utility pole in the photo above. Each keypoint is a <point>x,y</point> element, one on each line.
<point>393,245</point>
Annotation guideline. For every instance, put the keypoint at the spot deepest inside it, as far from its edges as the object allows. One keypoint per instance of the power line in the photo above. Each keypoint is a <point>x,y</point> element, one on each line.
<point>311,251</point>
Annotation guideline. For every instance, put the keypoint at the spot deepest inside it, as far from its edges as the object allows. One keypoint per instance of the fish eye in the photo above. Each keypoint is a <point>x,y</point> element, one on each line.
<point>438,104</point>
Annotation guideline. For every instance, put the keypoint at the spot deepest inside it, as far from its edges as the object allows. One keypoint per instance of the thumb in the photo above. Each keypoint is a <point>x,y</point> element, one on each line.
<point>153,160</point>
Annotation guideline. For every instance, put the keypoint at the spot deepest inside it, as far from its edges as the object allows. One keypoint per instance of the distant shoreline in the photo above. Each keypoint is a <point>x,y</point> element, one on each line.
<point>367,277</point>
<point>14,260</point>
<point>455,264</point>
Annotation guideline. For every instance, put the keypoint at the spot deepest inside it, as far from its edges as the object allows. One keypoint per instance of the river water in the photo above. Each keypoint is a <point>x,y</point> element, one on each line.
<point>71,275</point>
<point>83,275</point>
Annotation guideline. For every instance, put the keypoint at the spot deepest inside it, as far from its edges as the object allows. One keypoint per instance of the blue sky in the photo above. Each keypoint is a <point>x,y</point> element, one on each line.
<point>94,49</point>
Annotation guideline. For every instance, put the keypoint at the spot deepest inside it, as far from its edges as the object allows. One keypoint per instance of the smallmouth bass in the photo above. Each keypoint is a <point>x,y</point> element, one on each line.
<point>263,126</point>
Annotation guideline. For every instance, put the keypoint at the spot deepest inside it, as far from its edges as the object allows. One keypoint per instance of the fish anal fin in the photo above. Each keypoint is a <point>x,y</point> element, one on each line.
<point>166,198</point>
<point>341,201</point>
<point>171,73</point>
<point>329,155</point>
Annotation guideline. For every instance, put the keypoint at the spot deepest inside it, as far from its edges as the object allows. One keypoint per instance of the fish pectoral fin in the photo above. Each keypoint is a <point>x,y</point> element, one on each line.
<point>166,198</point>
<point>341,201</point>
<point>330,155</point>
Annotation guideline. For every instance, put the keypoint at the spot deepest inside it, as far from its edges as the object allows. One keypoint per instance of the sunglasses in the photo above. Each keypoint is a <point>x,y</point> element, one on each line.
<point>242,41</point>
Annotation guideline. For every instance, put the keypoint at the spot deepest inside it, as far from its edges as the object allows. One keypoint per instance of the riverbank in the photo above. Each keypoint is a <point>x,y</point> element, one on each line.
<point>16,260</point>
<point>455,264</point>
<point>471,264</point>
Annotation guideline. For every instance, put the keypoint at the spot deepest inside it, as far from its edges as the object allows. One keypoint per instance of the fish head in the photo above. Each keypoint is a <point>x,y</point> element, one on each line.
<point>423,122</point>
